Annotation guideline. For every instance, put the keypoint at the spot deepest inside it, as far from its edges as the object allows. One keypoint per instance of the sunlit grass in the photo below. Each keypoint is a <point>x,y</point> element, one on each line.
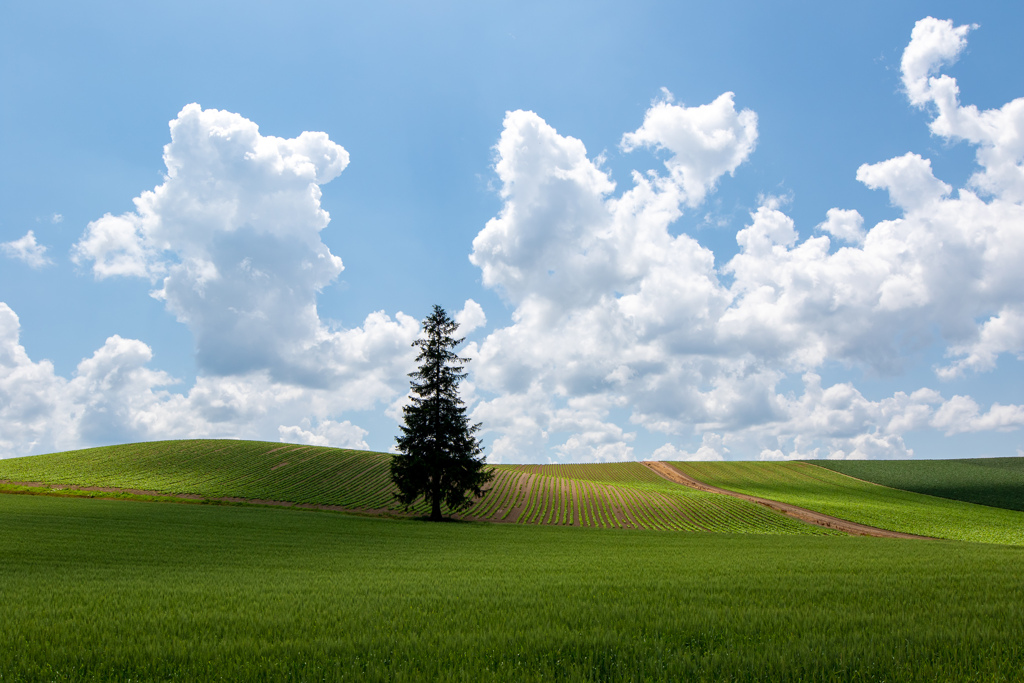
<point>841,496</point>
<point>113,590</point>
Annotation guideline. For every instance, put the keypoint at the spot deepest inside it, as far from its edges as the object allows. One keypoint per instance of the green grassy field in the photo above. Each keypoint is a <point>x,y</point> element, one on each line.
<point>217,468</point>
<point>997,482</point>
<point>118,591</point>
<point>622,495</point>
<point>838,495</point>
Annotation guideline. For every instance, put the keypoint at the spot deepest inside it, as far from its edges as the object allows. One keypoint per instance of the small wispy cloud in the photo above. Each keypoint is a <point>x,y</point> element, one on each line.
<point>26,249</point>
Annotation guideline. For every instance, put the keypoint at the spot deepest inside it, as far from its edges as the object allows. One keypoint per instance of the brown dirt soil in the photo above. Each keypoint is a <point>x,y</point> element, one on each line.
<point>803,514</point>
<point>574,501</point>
<point>526,487</point>
<point>499,515</point>
<point>628,516</point>
<point>616,507</point>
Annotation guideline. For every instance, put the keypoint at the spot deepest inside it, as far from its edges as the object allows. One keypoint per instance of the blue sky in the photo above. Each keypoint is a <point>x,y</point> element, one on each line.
<point>692,311</point>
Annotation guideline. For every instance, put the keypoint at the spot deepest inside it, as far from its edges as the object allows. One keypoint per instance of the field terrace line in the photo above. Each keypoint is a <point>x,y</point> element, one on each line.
<point>803,514</point>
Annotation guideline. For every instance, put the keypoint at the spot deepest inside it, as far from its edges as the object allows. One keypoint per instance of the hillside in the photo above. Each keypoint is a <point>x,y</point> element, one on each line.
<point>611,496</point>
<point>832,493</point>
<point>996,482</point>
<point>622,495</point>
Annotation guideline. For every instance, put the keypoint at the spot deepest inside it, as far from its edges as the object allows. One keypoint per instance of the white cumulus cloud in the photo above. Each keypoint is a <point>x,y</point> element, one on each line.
<point>232,237</point>
<point>933,43</point>
<point>705,142</point>
<point>326,433</point>
<point>1001,333</point>
<point>614,311</point>
<point>231,241</point>
<point>622,331</point>
<point>114,396</point>
<point>843,224</point>
<point>470,318</point>
<point>962,414</point>
<point>26,249</point>
<point>712,447</point>
<point>33,414</point>
<point>995,132</point>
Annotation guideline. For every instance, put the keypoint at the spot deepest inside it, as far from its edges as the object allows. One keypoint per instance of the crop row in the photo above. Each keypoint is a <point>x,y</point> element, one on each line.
<point>218,468</point>
<point>612,473</point>
<point>627,495</point>
<point>607,496</point>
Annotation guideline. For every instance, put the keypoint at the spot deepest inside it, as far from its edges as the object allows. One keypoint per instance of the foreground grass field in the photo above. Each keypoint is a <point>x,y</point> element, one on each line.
<point>622,495</point>
<point>997,482</point>
<point>118,591</point>
<point>823,490</point>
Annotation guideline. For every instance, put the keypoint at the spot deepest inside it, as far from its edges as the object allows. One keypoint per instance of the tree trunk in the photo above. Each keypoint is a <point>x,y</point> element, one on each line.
<point>435,508</point>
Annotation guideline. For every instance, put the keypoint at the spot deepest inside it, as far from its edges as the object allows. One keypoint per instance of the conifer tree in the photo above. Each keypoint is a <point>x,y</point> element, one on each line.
<point>439,456</point>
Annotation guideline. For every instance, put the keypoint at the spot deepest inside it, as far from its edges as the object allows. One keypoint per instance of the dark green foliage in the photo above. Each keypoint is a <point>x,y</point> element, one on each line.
<point>997,482</point>
<point>97,590</point>
<point>439,457</point>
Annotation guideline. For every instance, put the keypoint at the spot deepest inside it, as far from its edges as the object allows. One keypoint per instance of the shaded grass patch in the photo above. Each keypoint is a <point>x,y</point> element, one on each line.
<point>997,482</point>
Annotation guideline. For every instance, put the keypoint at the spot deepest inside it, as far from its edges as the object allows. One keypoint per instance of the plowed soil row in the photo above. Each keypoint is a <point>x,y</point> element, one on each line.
<point>803,514</point>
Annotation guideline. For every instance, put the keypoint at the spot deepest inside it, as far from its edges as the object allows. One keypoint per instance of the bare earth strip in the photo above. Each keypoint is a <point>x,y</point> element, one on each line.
<point>510,511</point>
<point>616,507</point>
<point>517,510</point>
<point>803,514</point>
<point>628,516</point>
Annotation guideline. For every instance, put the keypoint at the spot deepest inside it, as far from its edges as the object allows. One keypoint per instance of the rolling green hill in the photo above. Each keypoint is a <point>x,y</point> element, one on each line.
<point>997,482</point>
<point>221,468</point>
<point>615,495</point>
<point>823,490</point>
<point>628,495</point>
<point>622,495</point>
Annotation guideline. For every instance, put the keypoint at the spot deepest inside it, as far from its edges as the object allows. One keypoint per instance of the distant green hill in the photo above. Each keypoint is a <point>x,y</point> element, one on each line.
<point>220,468</point>
<point>618,495</point>
<point>839,495</point>
<point>997,482</point>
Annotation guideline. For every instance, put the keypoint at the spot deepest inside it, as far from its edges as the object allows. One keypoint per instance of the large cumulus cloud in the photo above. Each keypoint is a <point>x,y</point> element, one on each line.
<point>613,313</point>
<point>232,237</point>
<point>114,396</point>
<point>230,242</point>
<point>623,332</point>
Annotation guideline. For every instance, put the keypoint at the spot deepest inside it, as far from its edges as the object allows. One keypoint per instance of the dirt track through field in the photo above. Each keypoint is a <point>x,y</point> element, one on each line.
<point>803,514</point>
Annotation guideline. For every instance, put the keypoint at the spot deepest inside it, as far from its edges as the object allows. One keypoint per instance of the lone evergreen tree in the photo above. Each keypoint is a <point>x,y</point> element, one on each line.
<point>438,457</point>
